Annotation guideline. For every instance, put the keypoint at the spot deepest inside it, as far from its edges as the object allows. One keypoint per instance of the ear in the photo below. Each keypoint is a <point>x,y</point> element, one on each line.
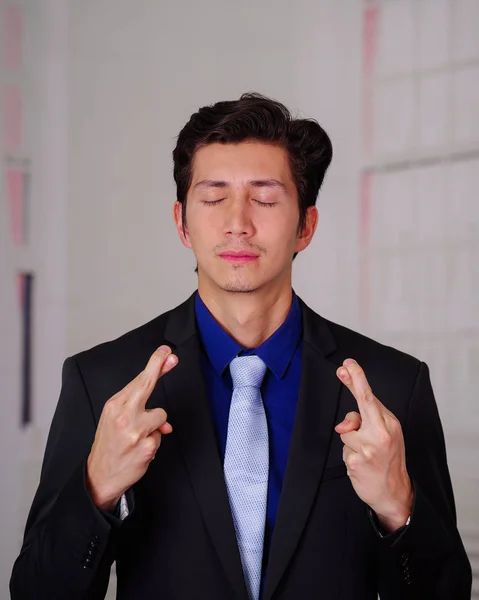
<point>178,218</point>
<point>306,234</point>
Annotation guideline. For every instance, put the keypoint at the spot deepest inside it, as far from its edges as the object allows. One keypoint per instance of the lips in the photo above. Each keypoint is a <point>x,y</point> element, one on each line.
<point>240,253</point>
<point>241,256</point>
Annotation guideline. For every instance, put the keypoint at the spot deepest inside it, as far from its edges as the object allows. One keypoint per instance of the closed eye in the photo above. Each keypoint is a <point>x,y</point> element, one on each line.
<point>259,202</point>
<point>213,202</point>
<point>265,203</point>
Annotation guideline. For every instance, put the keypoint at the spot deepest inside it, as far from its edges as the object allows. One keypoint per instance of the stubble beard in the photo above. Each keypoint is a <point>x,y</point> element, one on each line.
<point>237,284</point>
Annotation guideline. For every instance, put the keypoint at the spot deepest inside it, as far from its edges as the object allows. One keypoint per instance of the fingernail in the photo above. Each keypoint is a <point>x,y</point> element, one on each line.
<point>171,360</point>
<point>343,373</point>
<point>350,362</point>
<point>163,349</point>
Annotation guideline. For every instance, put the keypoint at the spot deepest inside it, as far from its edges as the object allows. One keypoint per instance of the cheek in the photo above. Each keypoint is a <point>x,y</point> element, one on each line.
<point>202,226</point>
<point>279,232</point>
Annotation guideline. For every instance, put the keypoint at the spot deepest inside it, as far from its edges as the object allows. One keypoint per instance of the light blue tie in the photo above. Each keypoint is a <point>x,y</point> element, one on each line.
<point>246,465</point>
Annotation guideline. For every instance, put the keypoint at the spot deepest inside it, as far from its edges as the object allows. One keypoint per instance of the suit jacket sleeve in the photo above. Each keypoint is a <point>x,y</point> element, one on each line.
<point>69,543</point>
<point>427,560</point>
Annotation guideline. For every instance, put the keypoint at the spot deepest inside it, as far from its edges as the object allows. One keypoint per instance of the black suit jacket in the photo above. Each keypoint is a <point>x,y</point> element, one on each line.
<point>179,543</point>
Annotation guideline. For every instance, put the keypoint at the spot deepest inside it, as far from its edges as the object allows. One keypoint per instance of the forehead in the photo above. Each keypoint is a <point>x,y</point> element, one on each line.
<point>243,161</point>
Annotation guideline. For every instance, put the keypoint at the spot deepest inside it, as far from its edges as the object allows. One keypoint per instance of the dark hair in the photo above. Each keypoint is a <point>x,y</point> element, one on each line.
<point>256,117</point>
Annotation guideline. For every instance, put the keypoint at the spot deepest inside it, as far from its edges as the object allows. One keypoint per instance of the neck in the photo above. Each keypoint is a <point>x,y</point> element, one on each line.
<point>249,318</point>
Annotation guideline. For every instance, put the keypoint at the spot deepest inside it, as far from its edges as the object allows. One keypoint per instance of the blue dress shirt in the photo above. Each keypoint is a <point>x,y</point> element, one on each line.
<point>281,353</point>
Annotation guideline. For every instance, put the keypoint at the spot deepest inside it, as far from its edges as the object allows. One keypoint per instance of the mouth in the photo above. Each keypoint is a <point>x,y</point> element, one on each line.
<point>239,257</point>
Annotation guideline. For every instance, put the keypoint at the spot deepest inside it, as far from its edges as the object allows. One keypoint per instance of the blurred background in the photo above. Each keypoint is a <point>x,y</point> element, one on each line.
<point>92,96</point>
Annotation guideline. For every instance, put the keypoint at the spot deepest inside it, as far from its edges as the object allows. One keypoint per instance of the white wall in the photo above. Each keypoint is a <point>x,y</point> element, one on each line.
<point>44,83</point>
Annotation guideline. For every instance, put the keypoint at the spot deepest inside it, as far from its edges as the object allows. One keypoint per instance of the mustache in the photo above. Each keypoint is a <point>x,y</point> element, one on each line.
<point>225,247</point>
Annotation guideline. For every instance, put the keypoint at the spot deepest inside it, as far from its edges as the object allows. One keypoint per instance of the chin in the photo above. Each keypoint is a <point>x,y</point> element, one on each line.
<point>238,281</point>
<point>239,286</point>
<point>234,288</point>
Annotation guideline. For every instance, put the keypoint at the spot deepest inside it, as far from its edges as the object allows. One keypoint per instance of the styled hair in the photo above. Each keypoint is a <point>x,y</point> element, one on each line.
<point>256,117</point>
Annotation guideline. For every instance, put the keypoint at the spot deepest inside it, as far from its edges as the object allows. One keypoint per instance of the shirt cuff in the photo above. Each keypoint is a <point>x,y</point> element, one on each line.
<point>122,509</point>
<point>377,527</point>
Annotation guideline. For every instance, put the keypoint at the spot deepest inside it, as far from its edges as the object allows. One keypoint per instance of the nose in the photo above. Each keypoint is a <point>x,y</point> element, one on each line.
<point>238,220</point>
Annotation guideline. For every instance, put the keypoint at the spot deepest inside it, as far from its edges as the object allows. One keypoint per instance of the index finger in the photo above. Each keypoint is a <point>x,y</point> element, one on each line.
<point>161,361</point>
<point>353,376</point>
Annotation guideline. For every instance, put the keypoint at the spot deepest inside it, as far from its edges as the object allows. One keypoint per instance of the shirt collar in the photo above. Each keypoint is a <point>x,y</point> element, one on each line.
<point>276,352</point>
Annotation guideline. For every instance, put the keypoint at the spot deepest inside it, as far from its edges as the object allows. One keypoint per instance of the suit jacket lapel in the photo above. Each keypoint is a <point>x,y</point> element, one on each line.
<point>190,417</point>
<point>312,431</point>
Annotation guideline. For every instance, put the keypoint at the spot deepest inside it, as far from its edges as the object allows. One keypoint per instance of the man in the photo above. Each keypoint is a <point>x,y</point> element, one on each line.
<point>299,459</point>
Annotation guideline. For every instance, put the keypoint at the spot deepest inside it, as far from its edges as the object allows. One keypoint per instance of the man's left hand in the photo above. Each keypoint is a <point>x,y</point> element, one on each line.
<point>374,452</point>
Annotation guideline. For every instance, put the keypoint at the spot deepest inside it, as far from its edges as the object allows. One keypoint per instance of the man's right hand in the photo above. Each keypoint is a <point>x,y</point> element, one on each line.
<point>128,435</point>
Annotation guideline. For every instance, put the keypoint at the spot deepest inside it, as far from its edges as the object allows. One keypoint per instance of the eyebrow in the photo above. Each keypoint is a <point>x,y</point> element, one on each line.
<point>213,183</point>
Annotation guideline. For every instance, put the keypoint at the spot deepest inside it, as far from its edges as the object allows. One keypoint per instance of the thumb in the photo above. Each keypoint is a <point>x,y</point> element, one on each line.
<point>351,422</point>
<point>166,428</point>
<point>345,426</point>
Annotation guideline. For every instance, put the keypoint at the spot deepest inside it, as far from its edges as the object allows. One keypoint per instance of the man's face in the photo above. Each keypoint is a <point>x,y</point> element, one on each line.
<point>242,216</point>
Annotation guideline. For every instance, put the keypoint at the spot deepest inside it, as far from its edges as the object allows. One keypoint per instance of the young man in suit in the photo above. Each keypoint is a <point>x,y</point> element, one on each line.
<point>298,459</point>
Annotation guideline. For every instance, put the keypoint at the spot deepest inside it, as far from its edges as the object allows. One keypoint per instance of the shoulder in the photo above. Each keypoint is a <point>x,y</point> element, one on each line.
<point>369,349</point>
<point>389,370</point>
<point>137,345</point>
<point>131,341</point>
<point>108,367</point>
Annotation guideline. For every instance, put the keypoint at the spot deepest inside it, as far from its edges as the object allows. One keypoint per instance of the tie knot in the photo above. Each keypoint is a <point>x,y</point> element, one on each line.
<point>247,371</point>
